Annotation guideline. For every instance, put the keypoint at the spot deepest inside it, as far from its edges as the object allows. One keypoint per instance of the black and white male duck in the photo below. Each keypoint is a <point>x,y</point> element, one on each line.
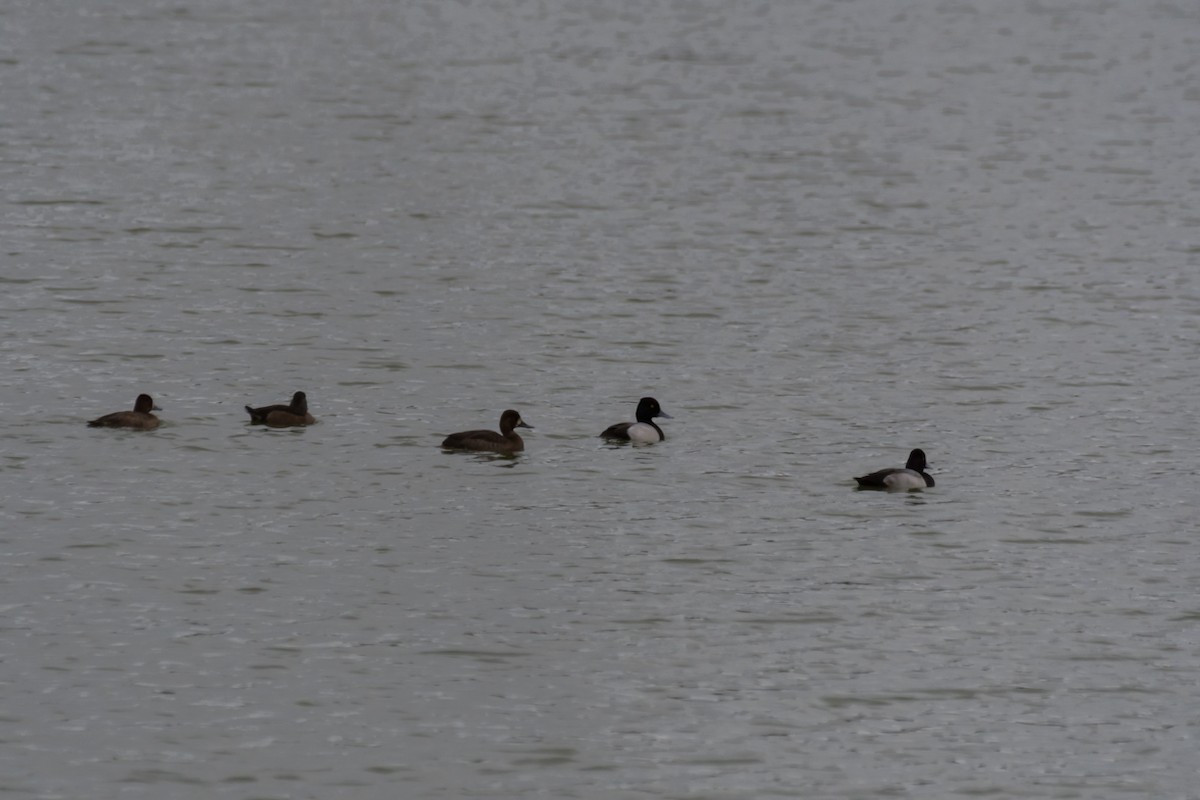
<point>912,476</point>
<point>644,431</point>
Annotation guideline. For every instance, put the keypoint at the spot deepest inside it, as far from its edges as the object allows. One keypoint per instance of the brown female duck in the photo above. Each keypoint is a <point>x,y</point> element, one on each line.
<point>140,419</point>
<point>506,442</point>
<point>281,416</point>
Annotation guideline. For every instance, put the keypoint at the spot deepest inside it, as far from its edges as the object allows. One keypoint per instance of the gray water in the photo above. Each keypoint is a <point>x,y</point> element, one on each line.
<point>820,234</point>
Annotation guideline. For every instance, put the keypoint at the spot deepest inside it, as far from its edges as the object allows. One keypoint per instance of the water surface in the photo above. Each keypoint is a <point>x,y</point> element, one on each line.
<point>819,234</point>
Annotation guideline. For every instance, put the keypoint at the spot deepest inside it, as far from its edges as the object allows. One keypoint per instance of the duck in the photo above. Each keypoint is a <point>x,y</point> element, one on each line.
<point>506,442</point>
<point>140,419</point>
<point>913,476</point>
<point>281,416</point>
<point>644,431</point>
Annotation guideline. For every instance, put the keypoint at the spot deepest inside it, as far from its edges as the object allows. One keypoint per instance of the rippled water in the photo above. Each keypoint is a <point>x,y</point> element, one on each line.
<point>820,234</point>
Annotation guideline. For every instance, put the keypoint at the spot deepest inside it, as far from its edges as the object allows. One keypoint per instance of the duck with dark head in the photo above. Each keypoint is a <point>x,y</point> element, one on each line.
<point>912,476</point>
<point>292,415</point>
<point>507,442</point>
<point>140,419</point>
<point>644,431</point>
